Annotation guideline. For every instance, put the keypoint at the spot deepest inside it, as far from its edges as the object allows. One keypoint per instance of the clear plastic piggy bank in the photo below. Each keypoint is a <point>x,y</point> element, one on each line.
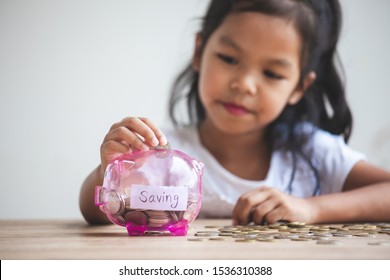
<point>152,191</point>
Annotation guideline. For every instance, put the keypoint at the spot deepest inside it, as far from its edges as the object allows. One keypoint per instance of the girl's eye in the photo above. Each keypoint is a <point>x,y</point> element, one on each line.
<point>227,59</point>
<point>272,75</point>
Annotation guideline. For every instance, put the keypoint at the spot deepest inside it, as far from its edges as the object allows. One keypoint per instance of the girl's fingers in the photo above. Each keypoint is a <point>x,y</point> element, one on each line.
<point>261,211</point>
<point>158,133</point>
<point>123,135</point>
<point>146,129</point>
<point>245,204</point>
<point>138,132</point>
<point>276,215</point>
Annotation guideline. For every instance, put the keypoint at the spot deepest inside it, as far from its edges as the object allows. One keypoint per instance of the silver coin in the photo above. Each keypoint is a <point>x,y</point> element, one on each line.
<point>162,151</point>
<point>197,239</point>
<point>300,239</point>
<point>160,147</point>
<point>115,203</point>
<point>212,226</point>
<point>282,236</point>
<point>379,243</point>
<point>328,242</point>
<point>217,239</point>
<point>207,233</point>
<point>342,235</point>
<point>249,235</point>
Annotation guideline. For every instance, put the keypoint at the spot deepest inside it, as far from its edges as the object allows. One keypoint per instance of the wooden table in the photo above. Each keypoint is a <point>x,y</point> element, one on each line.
<point>74,239</point>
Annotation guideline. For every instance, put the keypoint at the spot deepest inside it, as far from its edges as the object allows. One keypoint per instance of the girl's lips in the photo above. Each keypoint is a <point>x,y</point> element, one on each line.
<point>235,109</point>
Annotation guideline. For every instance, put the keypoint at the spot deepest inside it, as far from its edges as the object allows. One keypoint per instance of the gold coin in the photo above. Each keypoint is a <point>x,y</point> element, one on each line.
<point>225,234</point>
<point>211,226</point>
<point>370,227</point>
<point>361,234</point>
<point>266,239</point>
<point>300,239</point>
<point>296,224</point>
<point>229,228</point>
<point>245,240</point>
<point>283,228</point>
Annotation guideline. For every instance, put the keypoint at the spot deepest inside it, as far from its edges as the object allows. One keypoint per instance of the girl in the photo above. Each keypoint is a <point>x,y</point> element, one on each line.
<point>267,116</point>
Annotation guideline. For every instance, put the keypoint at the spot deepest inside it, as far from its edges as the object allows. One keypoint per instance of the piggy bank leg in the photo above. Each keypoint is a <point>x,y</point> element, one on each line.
<point>135,230</point>
<point>179,229</point>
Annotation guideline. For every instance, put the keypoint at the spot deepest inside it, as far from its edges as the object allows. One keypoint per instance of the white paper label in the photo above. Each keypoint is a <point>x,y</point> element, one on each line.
<point>164,198</point>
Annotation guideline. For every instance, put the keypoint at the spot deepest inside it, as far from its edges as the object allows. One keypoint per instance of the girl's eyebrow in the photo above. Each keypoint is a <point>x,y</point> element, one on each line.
<point>281,62</point>
<point>229,42</point>
<point>224,40</point>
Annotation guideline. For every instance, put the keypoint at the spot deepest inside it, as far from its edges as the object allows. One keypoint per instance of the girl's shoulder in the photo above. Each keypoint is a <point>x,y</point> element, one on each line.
<point>330,149</point>
<point>317,138</point>
<point>324,141</point>
<point>329,155</point>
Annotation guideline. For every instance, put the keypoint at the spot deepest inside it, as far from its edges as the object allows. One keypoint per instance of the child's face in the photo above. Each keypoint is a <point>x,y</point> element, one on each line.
<point>249,71</point>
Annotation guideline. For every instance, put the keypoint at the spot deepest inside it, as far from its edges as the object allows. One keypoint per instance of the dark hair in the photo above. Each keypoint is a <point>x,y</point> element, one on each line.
<point>324,104</point>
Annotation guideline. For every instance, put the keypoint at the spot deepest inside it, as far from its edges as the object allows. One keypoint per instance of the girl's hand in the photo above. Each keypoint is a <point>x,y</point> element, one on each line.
<point>268,205</point>
<point>130,134</point>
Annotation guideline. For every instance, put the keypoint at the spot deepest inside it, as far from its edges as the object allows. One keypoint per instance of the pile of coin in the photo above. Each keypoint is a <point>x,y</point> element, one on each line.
<point>119,207</point>
<point>294,231</point>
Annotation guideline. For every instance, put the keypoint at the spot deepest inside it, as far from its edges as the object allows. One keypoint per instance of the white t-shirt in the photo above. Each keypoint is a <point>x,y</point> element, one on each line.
<point>221,189</point>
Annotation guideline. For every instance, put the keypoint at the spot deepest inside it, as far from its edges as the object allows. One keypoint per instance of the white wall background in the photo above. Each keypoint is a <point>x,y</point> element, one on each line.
<point>71,68</point>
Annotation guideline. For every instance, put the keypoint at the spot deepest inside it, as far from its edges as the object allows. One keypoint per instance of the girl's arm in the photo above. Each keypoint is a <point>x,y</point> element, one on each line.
<point>366,197</point>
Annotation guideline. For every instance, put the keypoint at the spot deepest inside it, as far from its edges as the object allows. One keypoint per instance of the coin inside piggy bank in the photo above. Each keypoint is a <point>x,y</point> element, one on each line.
<point>158,190</point>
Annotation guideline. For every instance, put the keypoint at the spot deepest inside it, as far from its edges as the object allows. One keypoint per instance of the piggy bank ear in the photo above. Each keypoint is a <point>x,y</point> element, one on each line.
<point>125,165</point>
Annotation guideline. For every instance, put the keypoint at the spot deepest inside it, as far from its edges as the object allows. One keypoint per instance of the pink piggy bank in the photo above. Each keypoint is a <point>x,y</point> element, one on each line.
<point>156,191</point>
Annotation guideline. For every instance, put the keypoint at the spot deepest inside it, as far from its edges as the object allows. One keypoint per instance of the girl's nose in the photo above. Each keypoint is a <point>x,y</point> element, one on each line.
<point>245,84</point>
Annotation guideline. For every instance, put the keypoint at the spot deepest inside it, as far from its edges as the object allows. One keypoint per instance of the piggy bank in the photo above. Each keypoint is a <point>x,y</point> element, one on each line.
<point>157,190</point>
